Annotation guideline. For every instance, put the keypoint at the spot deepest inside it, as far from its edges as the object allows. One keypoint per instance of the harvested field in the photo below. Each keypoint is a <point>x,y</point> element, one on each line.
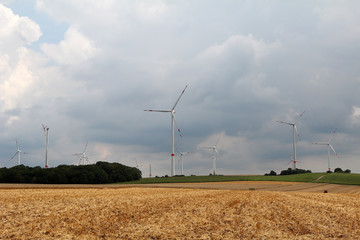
<point>233,185</point>
<point>171,213</point>
<point>263,186</point>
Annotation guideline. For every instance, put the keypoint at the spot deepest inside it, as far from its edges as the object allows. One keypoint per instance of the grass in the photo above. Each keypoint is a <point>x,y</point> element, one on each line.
<point>334,178</point>
<point>341,178</point>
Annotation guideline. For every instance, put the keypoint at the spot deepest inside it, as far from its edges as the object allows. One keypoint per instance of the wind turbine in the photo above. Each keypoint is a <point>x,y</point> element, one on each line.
<point>18,152</point>
<point>182,161</point>
<point>150,170</point>
<point>82,156</point>
<point>173,120</point>
<point>46,135</point>
<point>329,146</point>
<point>138,164</point>
<point>293,124</point>
<point>214,152</point>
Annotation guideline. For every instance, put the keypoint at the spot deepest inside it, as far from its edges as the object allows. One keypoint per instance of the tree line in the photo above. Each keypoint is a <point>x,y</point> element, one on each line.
<point>99,173</point>
<point>291,171</point>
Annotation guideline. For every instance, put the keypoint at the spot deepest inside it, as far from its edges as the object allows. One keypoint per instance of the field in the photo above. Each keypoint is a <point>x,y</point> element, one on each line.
<point>125,212</point>
<point>335,178</point>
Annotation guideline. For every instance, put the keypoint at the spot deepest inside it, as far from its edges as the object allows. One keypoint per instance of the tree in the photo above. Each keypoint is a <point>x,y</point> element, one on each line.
<point>338,170</point>
<point>101,172</point>
<point>272,173</point>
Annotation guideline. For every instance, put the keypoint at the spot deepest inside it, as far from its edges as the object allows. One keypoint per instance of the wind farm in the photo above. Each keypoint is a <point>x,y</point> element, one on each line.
<point>239,71</point>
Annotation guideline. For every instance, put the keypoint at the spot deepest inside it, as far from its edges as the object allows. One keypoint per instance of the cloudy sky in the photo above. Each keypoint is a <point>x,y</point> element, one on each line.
<point>88,69</point>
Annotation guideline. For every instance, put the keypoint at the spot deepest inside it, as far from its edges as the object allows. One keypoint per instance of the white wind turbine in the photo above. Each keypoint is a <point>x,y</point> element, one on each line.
<point>329,146</point>
<point>82,156</point>
<point>138,165</point>
<point>172,111</point>
<point>46,135</point>
<point>293,124</point>
<point>18,153</point>
<point>214,153</point>
<point>182,161</point>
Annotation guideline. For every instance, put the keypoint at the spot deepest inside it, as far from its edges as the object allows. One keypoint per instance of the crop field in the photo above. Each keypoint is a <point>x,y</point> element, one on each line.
<point>174,213</point>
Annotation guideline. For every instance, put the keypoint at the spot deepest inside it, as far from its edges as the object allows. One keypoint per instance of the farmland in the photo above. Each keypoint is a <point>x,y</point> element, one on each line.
<point>177,213</point>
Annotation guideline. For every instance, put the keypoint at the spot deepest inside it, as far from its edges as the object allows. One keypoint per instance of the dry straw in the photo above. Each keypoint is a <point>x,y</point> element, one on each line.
<point>145,213</point>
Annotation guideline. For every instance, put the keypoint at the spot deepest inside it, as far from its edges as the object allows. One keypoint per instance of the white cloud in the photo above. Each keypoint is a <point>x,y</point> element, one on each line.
<point>339,21</point>
<point>150,10</point>
<point>13,87</point>
<point>242,46</point>
<point>75,48</point>
<point>355,116</point>
<point>16,31</point>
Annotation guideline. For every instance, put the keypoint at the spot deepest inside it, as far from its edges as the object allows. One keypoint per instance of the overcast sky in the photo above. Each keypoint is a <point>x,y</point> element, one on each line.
<point>88,69</point>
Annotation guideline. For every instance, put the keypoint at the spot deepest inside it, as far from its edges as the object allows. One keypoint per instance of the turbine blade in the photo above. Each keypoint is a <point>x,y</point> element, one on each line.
<point>44,127</point>
<point>333,149</point>
<point>284,122</point>
<point>332,135</point>
<point>179,98</point>
<point>157,110</point>
<point>173,115</point>
<point>85,147</point>
<point>297,133</point>
<point>13,156</point>
<point>299,117</point>
<point>217,142</point>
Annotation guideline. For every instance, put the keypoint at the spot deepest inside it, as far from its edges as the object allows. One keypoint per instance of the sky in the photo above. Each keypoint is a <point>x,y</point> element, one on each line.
<point>88,69</point>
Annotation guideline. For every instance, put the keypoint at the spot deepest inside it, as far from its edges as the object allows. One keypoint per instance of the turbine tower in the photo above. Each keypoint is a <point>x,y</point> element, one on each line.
<point>329,146</point>
<point>173,121</point>
<point>293,124</point>
<point>214,152</point>
<point>46,135</point>
<point>150,170</point>
<point>82,156</point>
<point>18,153</point>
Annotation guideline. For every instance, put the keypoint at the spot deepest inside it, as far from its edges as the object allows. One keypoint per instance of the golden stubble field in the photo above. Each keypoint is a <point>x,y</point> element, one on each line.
<point>170,213</point>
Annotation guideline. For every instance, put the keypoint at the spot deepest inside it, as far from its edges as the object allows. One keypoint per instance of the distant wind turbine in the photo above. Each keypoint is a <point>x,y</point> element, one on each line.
<point>329,146</point>
<point>18,153</point>
<point>150,175</point>
<point>173,120</point>
<point>46,135</point>
<point>181,160</point>
<point>138,164</point>
<point>293,124</point>
<point>214,153</point>
<point>83,159</point>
